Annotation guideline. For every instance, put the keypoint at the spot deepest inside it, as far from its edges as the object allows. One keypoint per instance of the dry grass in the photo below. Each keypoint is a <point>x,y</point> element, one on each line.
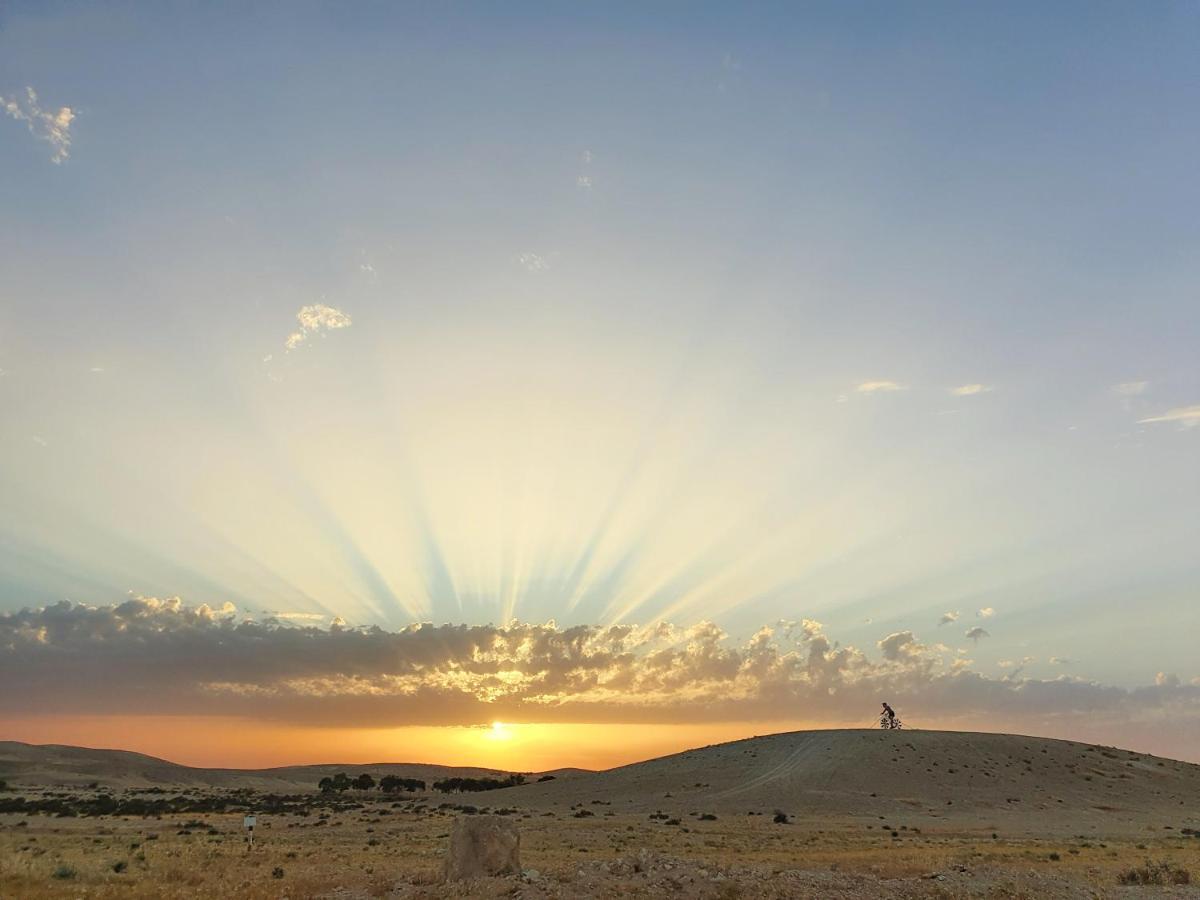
<point>383,849</point>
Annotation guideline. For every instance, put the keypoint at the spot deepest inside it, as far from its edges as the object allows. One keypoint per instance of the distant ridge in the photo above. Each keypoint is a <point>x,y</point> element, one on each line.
<point>62,765</point>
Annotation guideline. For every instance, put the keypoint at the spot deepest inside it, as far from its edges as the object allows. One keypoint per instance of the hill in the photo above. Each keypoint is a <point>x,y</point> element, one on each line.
<point>930,779</point>
<point>46,765</point>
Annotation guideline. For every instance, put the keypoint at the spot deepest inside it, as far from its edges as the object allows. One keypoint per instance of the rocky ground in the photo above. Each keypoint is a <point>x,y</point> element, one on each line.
<point>381,850</point>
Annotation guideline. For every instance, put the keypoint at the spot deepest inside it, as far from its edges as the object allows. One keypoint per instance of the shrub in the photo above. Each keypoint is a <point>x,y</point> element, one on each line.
<point>1155,873</point>
<point>120,866</point>
<point>277,872</point>
<point>781,818</point>
<point>64,873</point>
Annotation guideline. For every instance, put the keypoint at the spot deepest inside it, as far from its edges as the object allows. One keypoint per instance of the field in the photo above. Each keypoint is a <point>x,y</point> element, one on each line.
<point>651,829</point>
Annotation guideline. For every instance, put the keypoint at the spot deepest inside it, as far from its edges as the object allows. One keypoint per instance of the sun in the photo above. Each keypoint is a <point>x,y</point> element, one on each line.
<point>499,732</point>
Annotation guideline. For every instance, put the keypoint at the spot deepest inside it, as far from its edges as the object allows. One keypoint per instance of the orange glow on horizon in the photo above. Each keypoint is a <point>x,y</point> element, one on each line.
<point>239,743</point>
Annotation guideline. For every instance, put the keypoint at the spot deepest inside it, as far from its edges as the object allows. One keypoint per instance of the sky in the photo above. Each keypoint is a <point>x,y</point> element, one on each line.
<point>374,373</point>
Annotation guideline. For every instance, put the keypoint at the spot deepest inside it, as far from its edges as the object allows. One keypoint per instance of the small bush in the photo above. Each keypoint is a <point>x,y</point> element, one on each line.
<point>277,872</point>
<point>64,873</point>
<point>120,866</point>
<point>1155,873</point>
<point>781,818</point>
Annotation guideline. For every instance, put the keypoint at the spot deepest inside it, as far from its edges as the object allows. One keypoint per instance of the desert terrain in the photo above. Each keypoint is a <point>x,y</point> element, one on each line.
<point>850,813</point>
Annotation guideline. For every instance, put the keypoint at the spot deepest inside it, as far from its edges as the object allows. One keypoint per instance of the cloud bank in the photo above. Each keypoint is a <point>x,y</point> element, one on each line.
<point>148,656</point>
<point>54,127</point>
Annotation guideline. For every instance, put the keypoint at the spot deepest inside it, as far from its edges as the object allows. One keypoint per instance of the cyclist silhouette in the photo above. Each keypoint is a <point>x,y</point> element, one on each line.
<point>887,719</point>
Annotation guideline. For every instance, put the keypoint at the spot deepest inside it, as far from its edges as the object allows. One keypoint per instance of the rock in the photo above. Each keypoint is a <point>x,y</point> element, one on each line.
<point>483,845</point>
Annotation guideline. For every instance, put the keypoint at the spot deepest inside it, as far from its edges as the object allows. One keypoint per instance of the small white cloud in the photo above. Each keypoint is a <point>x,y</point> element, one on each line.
<point>314,320</point>
<point>586,157</point>
<point>970,390</point>
<point>1130,388</point>
<point>45,125</point>
<point>97,369</point>
<point>1060,661</point>
<point>1186,416</point>
<point>947,618</point>
<point>533,262</point>
<point>39,440</point>
<point>871,387</point>
<point>585,182</point>
<point>975,633</point>
<point>1166,679</point>
<point>986,613</point>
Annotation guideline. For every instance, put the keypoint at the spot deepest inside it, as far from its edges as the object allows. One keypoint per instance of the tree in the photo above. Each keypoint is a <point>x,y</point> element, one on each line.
<point>364,782</point>
<point>339,782</point>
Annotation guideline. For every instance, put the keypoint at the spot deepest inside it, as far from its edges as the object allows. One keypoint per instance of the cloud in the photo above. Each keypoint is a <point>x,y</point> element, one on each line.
<point>975,633</point>
<point>1130,388</point>
<point>158,656</point>
<point>1060,661</point>
<point>316,319</point>
<point>871,387</point>
<point>584,181</point>
<point>533,262</point>
<point>1186,416</point>
<point>970,390</point>
<point>947,618</point>
<point>46,125</point>
<point>986,613</point>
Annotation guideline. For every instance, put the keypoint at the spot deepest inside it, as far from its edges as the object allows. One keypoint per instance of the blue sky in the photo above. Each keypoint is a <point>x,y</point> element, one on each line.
<point>858,312</point>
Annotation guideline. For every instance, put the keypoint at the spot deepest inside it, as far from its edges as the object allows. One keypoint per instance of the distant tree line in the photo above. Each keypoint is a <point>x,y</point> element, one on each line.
<point>455,785</point>
<point>391,784</point>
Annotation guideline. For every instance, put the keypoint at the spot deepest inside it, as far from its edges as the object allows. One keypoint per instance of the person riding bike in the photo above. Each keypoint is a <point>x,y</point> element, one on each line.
<point>887,719</point>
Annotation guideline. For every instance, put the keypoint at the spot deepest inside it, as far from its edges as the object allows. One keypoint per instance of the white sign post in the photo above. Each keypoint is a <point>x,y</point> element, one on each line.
<point>249,822</point>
